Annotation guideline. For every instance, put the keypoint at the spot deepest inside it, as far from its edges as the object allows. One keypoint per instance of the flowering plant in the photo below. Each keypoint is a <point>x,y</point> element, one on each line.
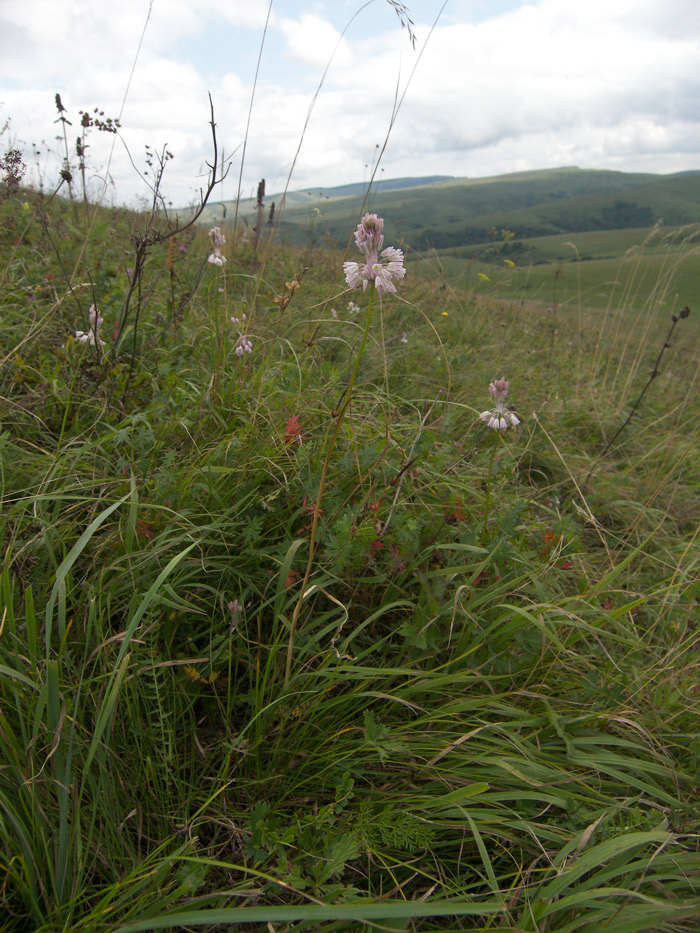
<point>244,344</point>
<point>379,271</point>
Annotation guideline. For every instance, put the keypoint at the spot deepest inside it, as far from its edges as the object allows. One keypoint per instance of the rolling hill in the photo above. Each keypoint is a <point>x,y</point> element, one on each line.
<point>447,213</point>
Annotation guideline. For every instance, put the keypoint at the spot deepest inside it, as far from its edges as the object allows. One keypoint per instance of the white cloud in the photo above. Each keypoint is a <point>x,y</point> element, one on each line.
<point>548,70</point>
<point>313,40</point>
<point>609,83</point>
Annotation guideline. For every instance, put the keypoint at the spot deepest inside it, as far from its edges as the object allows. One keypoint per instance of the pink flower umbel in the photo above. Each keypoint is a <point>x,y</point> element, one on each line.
<point>381,269</point>
<point>243,346</point>
<point>217,241</point>
<point>499,418</point>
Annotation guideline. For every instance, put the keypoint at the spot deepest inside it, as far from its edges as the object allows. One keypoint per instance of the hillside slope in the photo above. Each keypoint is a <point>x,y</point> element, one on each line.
<point>459,212</point>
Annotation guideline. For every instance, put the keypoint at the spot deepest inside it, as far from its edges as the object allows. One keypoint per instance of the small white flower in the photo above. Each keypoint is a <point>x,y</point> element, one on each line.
<point>404,337</point>
<point>89,338</point>
<point>500,420</point>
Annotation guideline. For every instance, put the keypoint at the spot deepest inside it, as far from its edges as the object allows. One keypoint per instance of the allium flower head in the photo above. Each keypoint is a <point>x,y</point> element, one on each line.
<point>91,337</point>
<point>244,345</point>
<point>381,269</point>
<point>217,241</point>
<point>499,418</point>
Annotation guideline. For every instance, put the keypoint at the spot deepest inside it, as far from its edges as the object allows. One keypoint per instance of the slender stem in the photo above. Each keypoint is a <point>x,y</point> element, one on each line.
<point>652,375</point>
<point>321,489</point>
<point>409,460</point>
<point>488,497</point>
<point>66,410</point>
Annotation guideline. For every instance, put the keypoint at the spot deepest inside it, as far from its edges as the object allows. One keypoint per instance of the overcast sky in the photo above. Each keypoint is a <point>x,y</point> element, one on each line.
<point>498,86</point>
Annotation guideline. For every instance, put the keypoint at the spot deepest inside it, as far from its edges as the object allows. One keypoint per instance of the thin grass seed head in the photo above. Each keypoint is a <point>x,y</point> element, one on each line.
<point>382,269</point>
<point>499,418</point>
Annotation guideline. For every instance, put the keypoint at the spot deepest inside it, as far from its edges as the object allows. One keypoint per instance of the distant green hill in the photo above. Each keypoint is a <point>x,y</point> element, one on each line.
<point>544,222</point>
<point>358,189</point>
<point>306,197</point>
<point>461,212</point>
<point>438,212</point>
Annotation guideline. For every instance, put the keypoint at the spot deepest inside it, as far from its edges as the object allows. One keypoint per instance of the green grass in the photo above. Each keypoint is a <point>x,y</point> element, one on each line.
<point>491,716</point>
<point>622,269</point>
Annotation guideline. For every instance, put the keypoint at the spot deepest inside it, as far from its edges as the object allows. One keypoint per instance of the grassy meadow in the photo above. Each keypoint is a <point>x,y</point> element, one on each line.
<point>290,638</point>
<point>630,270</point>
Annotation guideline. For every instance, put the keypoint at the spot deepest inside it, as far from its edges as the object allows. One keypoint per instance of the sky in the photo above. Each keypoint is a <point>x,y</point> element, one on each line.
<point>491,87</point>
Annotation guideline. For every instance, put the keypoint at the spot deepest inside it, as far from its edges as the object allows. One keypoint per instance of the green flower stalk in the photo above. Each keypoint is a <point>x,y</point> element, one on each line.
<point>377,273</point>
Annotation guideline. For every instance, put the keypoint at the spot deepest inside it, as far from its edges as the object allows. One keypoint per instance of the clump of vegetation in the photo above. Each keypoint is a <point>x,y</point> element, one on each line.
<point>295,634</point>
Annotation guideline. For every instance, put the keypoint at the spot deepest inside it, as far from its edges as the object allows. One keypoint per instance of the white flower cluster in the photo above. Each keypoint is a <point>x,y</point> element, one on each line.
<point>91,336</point>
<point>217,241</point>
